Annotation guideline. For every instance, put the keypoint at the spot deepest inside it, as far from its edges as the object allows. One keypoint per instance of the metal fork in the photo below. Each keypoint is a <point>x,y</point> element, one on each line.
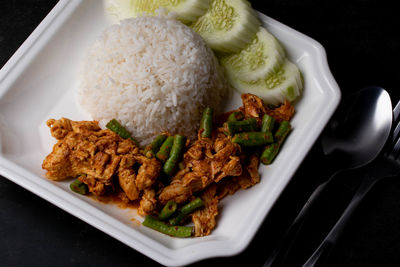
<point>388,165</point>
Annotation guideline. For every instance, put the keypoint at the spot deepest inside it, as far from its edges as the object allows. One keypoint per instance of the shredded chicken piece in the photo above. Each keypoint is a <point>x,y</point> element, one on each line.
<point>284,112</point>
<point>225,151</point>
<point>248,178</point>
<point>148,172</point>
<point>252,169</point>
<point>231,168</point>
<point>148,202</point>
<point>227,186</point>
<point>127,177</point>
<point>204,218</point>
<point>253,105</point>
<point>175,191</point>
<point>59,128</point>
<point>95,186</point>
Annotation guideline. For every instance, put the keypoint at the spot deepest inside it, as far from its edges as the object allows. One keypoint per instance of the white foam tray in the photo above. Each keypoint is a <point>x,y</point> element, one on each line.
<point>38,82</point>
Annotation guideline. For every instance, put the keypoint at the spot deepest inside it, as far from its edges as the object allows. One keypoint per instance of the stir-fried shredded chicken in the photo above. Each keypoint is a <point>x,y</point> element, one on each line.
<point>283,113</point>
<point>204,219</point>
<point>95,156</point>
<point>211,167</point>
<point>254,107</point>
<point>205,162</point>
<point>148,203</point>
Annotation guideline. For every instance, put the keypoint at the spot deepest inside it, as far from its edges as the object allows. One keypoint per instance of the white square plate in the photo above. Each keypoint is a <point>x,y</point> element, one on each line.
<point>38,82</point>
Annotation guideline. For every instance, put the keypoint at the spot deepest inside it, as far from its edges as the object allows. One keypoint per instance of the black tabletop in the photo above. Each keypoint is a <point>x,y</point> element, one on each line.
<point>362,41</point>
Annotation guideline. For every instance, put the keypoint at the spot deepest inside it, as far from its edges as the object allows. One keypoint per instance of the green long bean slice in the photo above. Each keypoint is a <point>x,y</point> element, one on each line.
<point>236,116</point>
<point>168,210</point>
<point>165,149</point>
<point>152,149</point>
<point>270,151</point>
<point>175,155</point>
<point>206,123</point>
<point>78,187</point>
<point>116,127</point>
<point>176,231</point>
<point>267,123</point>
<point>186,210</point>
<point>282,132</point>
<point>232,127</point>
<point>251,139</point>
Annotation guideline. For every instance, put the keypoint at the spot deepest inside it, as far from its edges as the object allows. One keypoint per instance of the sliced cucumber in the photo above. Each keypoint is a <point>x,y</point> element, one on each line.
<point>121,9</point>
<point>190,10</point>
<point>276,87</point>
<point>187,10</point>
<point>228,25</point>
<point>145,6</point>
<point>261,57</point>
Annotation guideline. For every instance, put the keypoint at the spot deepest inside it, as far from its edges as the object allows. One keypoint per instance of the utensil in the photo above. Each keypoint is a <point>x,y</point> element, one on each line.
<point>355,136</point>
<point>386,166</point>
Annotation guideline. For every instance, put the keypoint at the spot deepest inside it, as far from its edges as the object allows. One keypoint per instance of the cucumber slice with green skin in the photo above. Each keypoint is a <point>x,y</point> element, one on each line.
<point>261,57</point>
<point>275,88</point>
<point>187,10</point>
<point>228,25</point>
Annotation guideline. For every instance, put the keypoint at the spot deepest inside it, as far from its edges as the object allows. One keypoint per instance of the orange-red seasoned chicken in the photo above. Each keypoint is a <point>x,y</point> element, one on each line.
<point>206,162</point>
<point>253,106</point>
<point>96,156</point>
<point>204,219</point>
<point>211,168</point>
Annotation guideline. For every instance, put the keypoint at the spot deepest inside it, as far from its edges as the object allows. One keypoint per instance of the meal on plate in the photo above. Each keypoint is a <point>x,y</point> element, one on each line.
<point>155,85</point>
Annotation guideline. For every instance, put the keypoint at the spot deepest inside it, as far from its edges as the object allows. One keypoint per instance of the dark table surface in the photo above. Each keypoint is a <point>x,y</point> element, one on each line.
<point>362,41</point>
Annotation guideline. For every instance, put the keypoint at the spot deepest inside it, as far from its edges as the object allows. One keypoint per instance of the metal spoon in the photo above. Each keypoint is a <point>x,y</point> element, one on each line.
<point>353,138</point>
<point>359,128</point>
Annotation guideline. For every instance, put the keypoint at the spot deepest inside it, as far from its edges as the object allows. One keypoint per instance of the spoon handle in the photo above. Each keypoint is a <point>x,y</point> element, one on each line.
<point>278,256</point>
<point>324,249</point>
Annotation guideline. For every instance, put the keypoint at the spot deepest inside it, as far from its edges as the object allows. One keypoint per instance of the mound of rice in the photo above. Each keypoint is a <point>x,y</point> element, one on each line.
<point>153,74</point>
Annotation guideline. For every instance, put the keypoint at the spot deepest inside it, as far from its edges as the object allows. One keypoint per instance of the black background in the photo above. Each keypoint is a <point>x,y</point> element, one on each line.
<point>362,41</point>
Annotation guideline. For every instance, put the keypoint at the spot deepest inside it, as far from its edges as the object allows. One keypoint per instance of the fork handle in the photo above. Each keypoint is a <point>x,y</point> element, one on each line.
<point>324,249</point>
<point>278,256</point>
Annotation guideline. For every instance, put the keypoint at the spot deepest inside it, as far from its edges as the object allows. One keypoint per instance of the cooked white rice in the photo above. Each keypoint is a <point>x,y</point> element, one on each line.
<point>153,74</point>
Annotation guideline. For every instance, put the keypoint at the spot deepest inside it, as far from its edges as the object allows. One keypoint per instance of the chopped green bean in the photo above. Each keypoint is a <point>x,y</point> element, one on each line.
<point>165,149</point>
<point>78,187</point>
<point>236,116</point>
<point>186,210</point>
<point>176,231</point>
<point>175,155</point>
<point>269,153</point>
<point>168,210</point>
<point>272,150</point>
<point>152,149</point>
<point>232,127</point>
<point>282,132</point>
<point>267,124</point>
<point>206,123</point>
<point>250,139</point>
<point>116,127</point>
